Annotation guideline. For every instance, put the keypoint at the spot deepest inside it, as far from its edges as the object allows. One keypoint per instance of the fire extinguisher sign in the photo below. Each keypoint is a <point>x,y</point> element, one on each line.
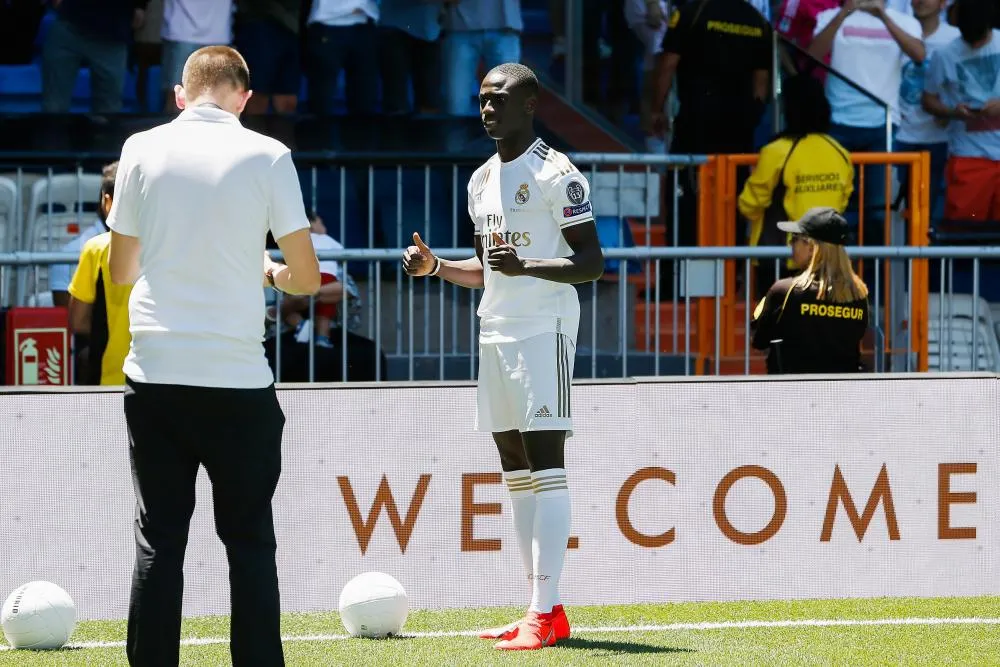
<point>41,356</point>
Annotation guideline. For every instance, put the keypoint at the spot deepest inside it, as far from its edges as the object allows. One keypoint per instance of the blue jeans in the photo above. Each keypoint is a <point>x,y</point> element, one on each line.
<point>173,57</point>
<point>462,51</point>
<point>353,50</point>
<point>939,161</point>
<point>66,50</point>
<point>866,140</point>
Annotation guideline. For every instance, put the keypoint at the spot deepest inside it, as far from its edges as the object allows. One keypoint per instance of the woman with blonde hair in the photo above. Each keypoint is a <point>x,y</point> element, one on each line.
<point>814,322</point>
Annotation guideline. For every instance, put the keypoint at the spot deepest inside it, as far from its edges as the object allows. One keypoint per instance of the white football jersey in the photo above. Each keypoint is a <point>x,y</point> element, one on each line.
<point>528,202</point>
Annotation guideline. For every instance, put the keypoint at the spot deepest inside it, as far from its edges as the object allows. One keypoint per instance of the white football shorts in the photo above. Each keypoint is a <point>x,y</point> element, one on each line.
<point>525,385</point>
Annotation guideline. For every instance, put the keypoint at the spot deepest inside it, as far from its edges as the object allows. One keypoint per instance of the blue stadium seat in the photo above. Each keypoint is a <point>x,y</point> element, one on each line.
<point>536,20</point>
<point>615,233</point>
<point>20,88</point>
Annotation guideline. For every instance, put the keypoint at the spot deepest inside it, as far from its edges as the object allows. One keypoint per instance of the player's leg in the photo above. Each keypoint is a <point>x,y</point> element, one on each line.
<point>164,472</point>
<point>241,450</point>
<point>494,414</point>
<point>544,371</point>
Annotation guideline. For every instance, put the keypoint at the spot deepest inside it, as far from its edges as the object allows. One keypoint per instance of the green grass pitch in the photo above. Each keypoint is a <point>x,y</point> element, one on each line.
<point>956,631</point>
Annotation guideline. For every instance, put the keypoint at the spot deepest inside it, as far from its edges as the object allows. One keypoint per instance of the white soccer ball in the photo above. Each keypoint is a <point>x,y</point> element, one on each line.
<point>38,615</point>
<point>373,604</point>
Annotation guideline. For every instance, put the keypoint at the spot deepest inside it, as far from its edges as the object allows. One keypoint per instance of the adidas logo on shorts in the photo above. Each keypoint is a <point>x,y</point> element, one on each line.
<point>543,412</point>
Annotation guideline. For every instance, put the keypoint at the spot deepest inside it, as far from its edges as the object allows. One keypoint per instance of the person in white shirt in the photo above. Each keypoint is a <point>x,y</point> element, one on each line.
<point>963,86</point>
<point>535,238</point>
<point>647,19</point>
<point>194,201</point>
<point>918,130</point>
<point>868,45</point>
<point>342,36</point>
<point>189,25</point>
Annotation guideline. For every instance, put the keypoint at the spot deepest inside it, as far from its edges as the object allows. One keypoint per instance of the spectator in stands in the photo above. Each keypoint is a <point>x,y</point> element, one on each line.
<point>147,53</point>
<point>342,37</point>
<point>98,309</point>
<point>267,34</point>
<point>59,274</point>
<point>814,322</point>
<point>963,85</point>
<point>337,291</point>
<point>720,53</point>
<point>918,130</point>
<point>19,21</point>
<point>189,25</point>
<point>648,20</point>
<point>295,310</point>
<point>803,168</point>
<point>868,45</point>
<point>410,56</point>
<point>477,29</point>
<point>94,34</point>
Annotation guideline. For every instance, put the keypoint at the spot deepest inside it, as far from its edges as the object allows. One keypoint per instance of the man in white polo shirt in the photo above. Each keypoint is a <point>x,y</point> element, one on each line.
<point>194,201</point>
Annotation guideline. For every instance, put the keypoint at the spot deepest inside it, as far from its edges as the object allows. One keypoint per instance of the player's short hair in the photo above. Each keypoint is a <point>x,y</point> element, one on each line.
<point>521,77</point>
<point>108,175</point>
<point>213,67</point>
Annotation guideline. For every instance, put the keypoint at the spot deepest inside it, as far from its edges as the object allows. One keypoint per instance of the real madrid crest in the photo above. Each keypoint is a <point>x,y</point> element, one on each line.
<point>522,195</point>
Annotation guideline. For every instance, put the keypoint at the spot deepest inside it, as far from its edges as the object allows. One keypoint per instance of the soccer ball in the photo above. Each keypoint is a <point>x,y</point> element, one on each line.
<point>373,604</point>
<point>38,615</point>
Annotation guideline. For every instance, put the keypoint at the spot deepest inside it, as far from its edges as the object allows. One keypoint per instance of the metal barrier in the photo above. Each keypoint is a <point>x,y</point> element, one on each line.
<point>376,201</point>
<point>428,330</point>
<point>908,226</point>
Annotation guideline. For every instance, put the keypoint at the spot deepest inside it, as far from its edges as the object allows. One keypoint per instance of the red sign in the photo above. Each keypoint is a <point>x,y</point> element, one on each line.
<point>38,347</point>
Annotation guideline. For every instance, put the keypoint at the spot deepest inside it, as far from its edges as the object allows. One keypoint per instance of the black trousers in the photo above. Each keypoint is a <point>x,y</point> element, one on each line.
<point>236,435</point>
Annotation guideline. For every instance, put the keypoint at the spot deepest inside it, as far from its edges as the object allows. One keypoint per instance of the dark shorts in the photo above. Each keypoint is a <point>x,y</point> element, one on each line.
<point>273,56</point>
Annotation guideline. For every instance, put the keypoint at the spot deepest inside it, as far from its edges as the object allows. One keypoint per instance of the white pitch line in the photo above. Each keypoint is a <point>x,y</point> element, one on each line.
<point>669,627</point>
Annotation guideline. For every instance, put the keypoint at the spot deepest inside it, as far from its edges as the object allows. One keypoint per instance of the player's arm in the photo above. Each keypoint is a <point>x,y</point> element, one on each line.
<point>420,260</point>
<point>583,266</point>
<point>568,196</point>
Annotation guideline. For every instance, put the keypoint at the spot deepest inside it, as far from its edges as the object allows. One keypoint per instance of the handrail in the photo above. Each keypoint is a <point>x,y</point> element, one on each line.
<point>815,62</point>
<point>385,158</point>
<point>23,258</point>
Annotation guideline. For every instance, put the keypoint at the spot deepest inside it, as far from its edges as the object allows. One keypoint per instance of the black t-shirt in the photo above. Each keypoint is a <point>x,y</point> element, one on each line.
<point>720,44</point>
<point>817,336</point>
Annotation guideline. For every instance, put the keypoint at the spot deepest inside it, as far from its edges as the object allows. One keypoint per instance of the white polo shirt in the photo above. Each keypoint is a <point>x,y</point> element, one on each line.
<point>201,193</point>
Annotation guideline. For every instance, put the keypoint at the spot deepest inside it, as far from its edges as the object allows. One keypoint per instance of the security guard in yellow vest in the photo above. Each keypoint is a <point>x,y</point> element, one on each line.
<point>801,169</point>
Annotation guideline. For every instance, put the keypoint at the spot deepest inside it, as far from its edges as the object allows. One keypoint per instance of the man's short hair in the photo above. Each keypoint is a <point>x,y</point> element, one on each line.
<point>108,175</point>
<point>521,77</point>
<point>213,67</point>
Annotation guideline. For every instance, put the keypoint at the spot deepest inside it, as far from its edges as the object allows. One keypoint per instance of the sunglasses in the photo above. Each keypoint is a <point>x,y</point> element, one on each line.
<point>795,238</point>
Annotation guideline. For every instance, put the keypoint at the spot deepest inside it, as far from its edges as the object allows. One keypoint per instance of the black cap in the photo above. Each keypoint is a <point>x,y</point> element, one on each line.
<point>821,223</point>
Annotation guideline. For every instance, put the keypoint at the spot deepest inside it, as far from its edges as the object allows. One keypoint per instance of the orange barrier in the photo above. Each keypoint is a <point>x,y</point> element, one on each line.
<point>718,218</point>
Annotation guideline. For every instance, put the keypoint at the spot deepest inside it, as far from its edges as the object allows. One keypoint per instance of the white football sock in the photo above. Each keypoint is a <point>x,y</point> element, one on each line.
<point>522,505</point>
<point>552,520</point>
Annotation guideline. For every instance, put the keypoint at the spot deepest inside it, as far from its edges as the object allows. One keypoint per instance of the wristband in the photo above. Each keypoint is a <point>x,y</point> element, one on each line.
<point>437,267</point>
<point>270,279</point>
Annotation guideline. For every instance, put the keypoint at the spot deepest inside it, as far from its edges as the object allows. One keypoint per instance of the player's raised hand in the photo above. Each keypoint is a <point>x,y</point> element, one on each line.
<point>418,260</point>
<point>502,257</point>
